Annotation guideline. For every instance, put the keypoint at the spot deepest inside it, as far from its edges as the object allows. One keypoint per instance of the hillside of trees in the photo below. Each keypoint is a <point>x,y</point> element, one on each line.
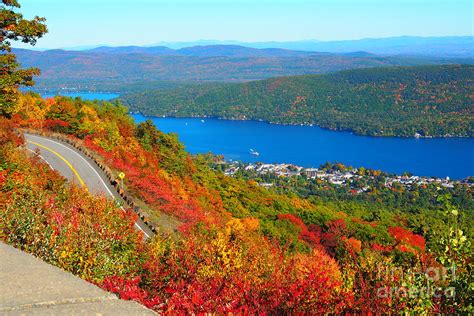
<point>396,101</point>
<point>235,246</point>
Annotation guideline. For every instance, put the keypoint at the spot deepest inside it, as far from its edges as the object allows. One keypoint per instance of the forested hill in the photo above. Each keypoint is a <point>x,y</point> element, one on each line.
<point>402,101</point>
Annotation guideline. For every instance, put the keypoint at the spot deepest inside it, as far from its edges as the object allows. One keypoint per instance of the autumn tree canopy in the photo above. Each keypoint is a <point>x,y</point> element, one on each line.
<point>15,28</point>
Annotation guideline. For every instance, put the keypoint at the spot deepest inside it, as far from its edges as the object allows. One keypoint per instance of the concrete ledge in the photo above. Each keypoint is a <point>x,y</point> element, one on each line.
<point>31,286</point>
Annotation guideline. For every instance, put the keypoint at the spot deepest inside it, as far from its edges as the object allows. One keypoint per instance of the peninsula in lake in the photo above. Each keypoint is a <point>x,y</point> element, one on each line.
<point>421,101</point>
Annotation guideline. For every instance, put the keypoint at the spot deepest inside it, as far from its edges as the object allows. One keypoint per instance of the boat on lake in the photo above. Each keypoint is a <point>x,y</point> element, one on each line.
<point>253,152</point>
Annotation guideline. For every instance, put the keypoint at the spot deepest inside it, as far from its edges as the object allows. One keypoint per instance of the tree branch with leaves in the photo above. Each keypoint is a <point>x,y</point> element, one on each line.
<point>14,28</point>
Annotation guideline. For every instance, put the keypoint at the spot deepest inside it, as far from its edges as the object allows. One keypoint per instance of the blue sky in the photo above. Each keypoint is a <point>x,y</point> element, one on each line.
<point>143,22</point>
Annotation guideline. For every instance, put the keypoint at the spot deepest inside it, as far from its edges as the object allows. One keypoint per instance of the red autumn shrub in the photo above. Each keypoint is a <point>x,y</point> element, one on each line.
<point>294,219</point>
<point>381,248</point>
<point>406,237</point>
<point>337,226</point>
<point>312,237</point>
<point>129,289</point>
<point>51,124</point>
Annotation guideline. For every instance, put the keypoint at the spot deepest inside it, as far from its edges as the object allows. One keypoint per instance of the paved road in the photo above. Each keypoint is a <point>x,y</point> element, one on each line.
<point>30,286</point>
<point>76,167</point>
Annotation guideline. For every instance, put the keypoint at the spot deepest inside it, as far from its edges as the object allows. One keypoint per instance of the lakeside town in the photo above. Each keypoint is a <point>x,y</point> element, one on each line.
<point>338,175</point>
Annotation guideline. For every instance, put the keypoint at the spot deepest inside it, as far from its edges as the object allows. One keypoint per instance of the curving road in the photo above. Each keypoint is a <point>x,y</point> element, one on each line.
<point>76,167</point>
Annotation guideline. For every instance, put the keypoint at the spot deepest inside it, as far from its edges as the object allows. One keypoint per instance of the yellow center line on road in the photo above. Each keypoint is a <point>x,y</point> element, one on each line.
<point>63,159</point>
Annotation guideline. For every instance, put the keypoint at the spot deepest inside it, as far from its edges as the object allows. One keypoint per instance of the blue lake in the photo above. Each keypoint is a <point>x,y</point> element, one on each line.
<point>312,146</point>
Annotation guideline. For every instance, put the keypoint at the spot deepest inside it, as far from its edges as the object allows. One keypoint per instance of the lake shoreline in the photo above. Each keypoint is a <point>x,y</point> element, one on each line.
<point>116,96</point>
<point>299,124</point>
<point>283,170</point>
<point>310,147</point>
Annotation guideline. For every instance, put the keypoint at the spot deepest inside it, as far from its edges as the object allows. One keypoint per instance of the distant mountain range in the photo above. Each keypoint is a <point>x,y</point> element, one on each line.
<point>447,46</point>
<point>205,51</point>
<point>137,68</point>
